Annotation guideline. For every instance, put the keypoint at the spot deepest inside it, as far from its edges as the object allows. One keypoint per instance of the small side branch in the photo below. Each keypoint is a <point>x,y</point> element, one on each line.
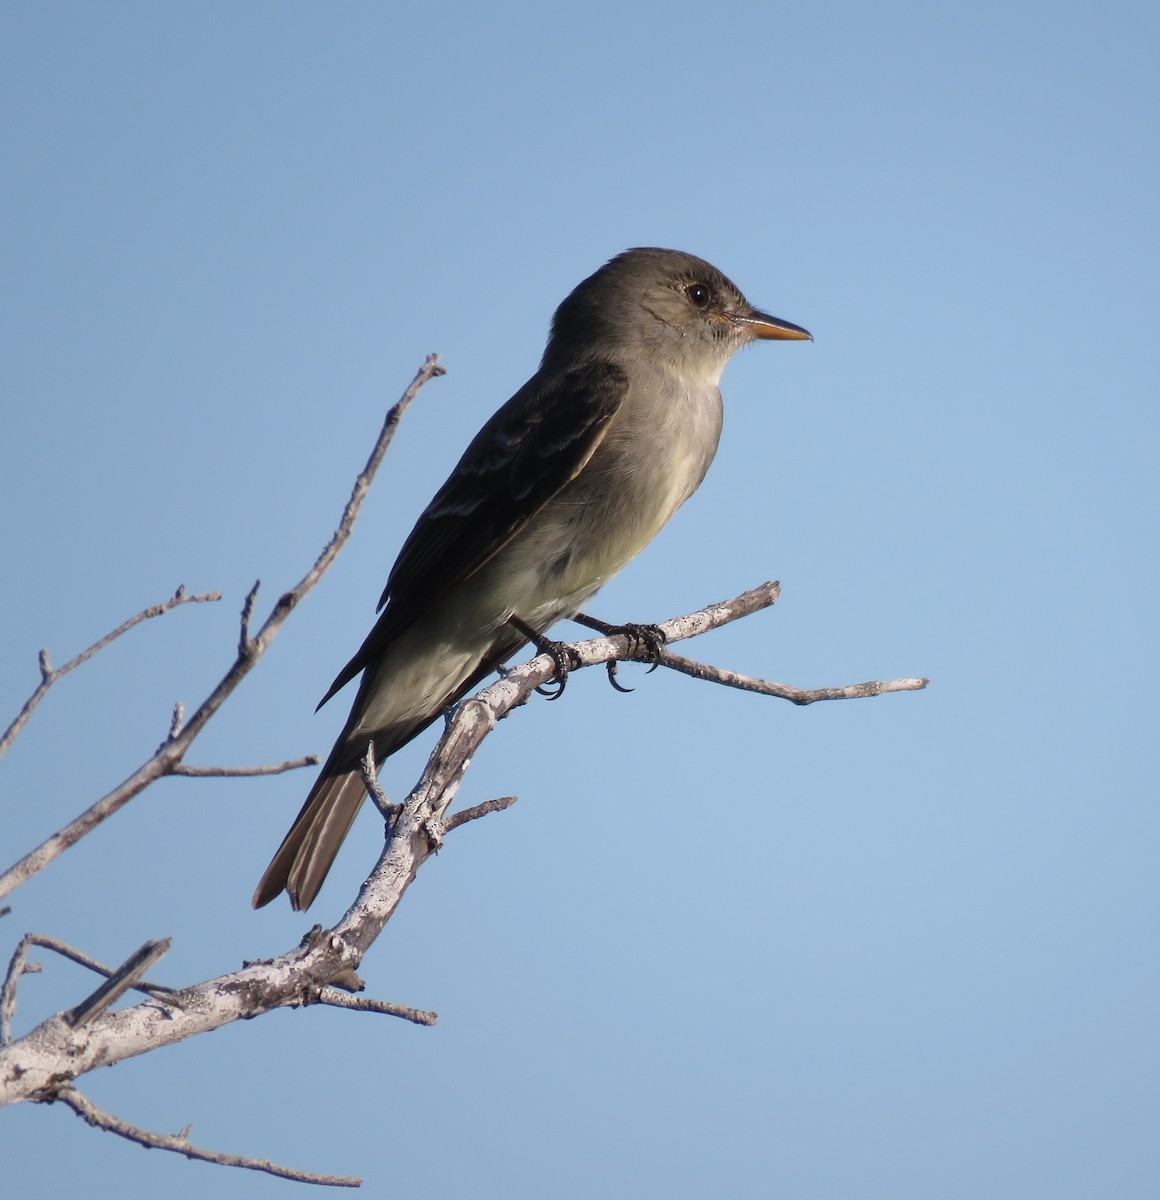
<point>618,646</point>
<point>477,811</point>
<point>337,999</point>
<point>180,1144</point>
<point>245,642</point>
<point>17,966</point>
<point>428,371</point>
<point>293,764</point>
<point>370,778</point>
<point>49,674</point>
<point>786,691</point>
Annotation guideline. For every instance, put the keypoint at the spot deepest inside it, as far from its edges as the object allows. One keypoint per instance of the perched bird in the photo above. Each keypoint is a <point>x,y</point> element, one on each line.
<point>566,483</point>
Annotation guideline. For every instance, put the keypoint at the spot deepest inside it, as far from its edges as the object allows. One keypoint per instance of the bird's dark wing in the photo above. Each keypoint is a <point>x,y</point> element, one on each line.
<point>536,443</point>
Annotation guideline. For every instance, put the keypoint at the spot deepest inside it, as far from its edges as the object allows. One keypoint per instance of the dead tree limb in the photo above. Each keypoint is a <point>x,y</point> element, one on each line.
<point>180,1144</point>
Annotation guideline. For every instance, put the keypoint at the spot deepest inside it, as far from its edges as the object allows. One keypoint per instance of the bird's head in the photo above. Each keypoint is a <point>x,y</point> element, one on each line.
<point>673,307</point>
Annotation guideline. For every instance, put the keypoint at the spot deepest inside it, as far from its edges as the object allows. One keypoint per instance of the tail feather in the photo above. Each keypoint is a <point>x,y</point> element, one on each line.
<point>308,850</point>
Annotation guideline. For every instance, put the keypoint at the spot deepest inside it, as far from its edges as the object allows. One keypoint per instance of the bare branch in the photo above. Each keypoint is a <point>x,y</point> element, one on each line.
<point>250,649</point>
<point>293,764</point>
<point>428,371</point>
<point>370,777</point>
<point>477,811</point>
<point>786,691</point>
<point>179,1144</point>
<point>49,676</point>
<point>339,999</point>
<point>712,616</point>
<point>748,602</point>
<point>16,968</point>
<point>245,644</point>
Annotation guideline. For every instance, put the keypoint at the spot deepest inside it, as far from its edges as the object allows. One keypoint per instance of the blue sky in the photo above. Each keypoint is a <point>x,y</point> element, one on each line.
<point>900,948</point>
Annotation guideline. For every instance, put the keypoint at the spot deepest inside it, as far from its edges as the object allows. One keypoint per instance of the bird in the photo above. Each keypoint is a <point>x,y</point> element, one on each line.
<point>560,489</point>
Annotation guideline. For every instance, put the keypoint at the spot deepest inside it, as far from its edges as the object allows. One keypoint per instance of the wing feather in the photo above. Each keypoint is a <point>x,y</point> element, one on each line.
<point>539,441</point>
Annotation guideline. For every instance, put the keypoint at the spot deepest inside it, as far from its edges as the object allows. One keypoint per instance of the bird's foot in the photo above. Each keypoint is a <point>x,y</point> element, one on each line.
<point>565,658</point>
<point>650,638</point>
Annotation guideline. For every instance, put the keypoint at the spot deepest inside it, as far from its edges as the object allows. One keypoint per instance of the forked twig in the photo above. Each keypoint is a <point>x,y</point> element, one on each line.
<point>180,1144</point>
<point>49,674</point>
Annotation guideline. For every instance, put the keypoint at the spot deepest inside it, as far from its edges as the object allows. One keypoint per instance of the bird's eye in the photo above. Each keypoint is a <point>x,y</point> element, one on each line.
<point>698,293</point>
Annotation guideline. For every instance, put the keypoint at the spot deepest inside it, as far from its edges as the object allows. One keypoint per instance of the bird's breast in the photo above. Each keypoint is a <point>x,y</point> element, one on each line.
<point>653,457</point>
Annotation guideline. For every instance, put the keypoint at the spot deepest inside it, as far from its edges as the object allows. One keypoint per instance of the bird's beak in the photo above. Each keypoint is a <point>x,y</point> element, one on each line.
<point>766,328</point>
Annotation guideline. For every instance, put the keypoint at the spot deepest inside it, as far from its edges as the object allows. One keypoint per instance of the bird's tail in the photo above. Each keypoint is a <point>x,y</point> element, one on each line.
<point>309,849</point>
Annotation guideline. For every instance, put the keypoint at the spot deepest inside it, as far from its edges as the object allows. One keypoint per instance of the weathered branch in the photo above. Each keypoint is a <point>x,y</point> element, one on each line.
<point>370,777</point>
<point>250,649</point>
<point>180,1144</point>
<point>641,650</point>
<point>338,999</point>
<point>785,691</point>
<point>294,764</point>
<point>477,811</point>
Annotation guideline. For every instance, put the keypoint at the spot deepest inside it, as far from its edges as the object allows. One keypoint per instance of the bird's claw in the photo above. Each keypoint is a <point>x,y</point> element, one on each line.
<point>611,666</point>
<point>651,637</point>
<point>566,660</point>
